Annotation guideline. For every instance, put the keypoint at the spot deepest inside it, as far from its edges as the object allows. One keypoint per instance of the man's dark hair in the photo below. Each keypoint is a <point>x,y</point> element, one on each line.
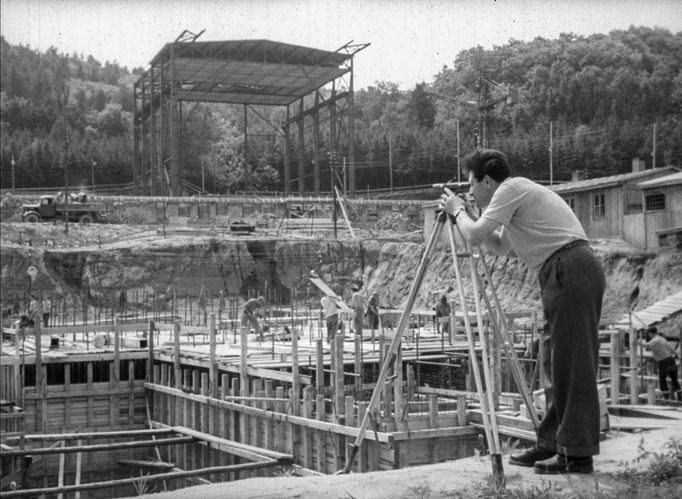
<point>489,162</point>
<point>652,330</point>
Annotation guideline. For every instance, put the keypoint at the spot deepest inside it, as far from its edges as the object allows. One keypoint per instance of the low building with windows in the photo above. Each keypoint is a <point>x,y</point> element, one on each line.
<point>660,224</point>
<point>626,206</point>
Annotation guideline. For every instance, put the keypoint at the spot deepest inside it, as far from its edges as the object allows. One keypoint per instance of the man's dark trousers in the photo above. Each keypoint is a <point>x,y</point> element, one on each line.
<point>572,286</point>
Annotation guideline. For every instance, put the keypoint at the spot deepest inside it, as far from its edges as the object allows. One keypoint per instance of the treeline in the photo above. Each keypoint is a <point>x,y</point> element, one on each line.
<point>603,96</point>
<point>51,103</point>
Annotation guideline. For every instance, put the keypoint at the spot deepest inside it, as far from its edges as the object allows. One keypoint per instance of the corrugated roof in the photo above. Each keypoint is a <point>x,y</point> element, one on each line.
<point>654,314</point>
<point>673,179</point>
<point>610,181</point>
<point>260,72</point>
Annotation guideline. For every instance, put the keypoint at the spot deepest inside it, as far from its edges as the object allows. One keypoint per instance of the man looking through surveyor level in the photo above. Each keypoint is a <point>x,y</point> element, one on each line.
<point>539,226</point>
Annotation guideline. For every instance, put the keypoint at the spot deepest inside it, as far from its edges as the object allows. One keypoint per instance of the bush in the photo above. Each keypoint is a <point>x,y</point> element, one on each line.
<point>132,214</point>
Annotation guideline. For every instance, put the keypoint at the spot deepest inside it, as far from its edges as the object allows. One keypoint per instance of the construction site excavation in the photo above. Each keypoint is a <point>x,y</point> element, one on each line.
<point>196,347</point>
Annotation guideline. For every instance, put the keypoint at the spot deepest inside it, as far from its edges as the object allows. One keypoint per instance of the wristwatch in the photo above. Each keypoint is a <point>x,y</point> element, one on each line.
<point>458,212</point>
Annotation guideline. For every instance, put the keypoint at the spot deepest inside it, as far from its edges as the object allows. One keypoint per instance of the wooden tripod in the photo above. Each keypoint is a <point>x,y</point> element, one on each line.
<point>485,395</point>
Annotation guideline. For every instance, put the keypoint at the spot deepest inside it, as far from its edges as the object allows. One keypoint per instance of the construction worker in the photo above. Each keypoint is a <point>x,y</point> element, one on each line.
<point>250,313</point>
<point>331,316</point>
<point>33,309</point>
<point>47,307</point>
<point>222,304</point>
<point>443,310</point>
<point>544,232</point>
<point>202,305</point>
<point>358,304</point>
<point>372,312</point>
<point>664,355</point>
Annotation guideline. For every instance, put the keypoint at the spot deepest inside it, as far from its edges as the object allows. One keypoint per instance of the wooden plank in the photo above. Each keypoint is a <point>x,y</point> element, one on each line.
<point>95,328</point>
<point>83,393</point>
<point>307,435</point>
<point>255,411</point>
<point>139,463</point>
<point>110,484</point>
<point>244,351</point>
<point>296,385</point>
<point>279,424</point>
<point>259,372</point>
<point>60,481</point>
<point>79,468</point>
<point>337,366</point>
<point>97,447</point>
<point>89,435</point>
<point>269,405</point>
<point>454,431</point>
<point>89,369</point>
<point>78,356</point>
<point>322,436</point>
<point>236,448</point>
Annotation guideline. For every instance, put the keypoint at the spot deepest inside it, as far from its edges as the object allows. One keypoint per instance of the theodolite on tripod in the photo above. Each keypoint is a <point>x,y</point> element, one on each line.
<point>498,321</point>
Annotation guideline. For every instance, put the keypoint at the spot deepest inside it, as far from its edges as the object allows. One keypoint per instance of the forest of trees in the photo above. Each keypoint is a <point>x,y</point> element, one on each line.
<point>603,95</point>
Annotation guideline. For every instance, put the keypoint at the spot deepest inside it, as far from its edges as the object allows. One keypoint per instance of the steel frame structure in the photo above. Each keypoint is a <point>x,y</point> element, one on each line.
<point>248,73</point>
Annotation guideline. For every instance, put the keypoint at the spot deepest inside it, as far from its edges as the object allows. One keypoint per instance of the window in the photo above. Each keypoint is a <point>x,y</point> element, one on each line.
<point>655,202</point>
<point>599,206</point>
<point>571,204</point>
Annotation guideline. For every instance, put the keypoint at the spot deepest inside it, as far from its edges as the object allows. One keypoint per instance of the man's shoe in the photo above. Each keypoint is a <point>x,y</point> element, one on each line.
<point>564,464</point>
<point>529,456</point>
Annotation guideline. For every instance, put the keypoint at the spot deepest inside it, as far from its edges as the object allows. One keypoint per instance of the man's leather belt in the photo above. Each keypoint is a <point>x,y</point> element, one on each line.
<point>572,244</point>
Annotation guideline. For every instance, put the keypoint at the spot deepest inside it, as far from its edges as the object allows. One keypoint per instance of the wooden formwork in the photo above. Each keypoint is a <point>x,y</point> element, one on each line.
<point>307,403</point>
<point>79,389</point>
<point>272,405</point>
<point>317,438</point>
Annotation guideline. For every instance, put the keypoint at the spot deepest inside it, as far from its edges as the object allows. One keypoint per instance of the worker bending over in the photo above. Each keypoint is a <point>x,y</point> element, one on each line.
<point>250,313</point>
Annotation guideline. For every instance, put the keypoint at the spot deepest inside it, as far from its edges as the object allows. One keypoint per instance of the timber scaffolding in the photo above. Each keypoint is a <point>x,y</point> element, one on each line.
<point>159,404</point>
<point>247,404</point>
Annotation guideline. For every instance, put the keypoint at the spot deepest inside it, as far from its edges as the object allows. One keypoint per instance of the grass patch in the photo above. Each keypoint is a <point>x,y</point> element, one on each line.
<point>661,478</point>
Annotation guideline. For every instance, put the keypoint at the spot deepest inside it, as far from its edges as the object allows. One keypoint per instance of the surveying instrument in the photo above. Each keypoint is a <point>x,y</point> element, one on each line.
<point>460,250</point>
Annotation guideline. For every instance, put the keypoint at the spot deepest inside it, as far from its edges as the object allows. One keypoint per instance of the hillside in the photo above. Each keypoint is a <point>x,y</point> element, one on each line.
<point>96,261</point>
<point>602,95</point>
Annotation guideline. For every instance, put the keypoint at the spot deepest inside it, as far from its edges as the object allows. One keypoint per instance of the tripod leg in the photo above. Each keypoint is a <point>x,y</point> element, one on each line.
<point>507,342</point>
<point>487,407</point>
<point>487,376</point>
<point>395,343</point>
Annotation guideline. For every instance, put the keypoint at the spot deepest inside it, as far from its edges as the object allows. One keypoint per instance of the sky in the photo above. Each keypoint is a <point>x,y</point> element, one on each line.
<point>410,40</point>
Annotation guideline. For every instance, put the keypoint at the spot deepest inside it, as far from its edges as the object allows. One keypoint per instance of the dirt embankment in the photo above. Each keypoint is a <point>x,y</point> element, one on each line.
<point>96,261</point>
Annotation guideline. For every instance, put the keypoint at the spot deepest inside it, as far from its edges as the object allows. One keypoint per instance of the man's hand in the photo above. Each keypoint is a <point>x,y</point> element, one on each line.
<point>450,202</point>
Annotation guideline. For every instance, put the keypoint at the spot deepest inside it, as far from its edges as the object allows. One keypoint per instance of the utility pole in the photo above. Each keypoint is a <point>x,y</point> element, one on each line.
<point>345,191</point>
<point>390,159</point>
<point>331,155</point>
<point>66,178</point>
<point>93,163</point>
<point>459,170</point>
<point>13,163</point>
<point>551,165</point>
<point>653,152</point>
<point>203,183</point>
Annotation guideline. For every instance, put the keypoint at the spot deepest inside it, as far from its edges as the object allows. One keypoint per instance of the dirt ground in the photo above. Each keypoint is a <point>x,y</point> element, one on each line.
<point>470,477</point>
<point>463,478</point>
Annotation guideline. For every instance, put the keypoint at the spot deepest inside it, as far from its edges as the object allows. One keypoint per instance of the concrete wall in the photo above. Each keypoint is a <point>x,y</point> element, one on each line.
<point>224,211</point>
